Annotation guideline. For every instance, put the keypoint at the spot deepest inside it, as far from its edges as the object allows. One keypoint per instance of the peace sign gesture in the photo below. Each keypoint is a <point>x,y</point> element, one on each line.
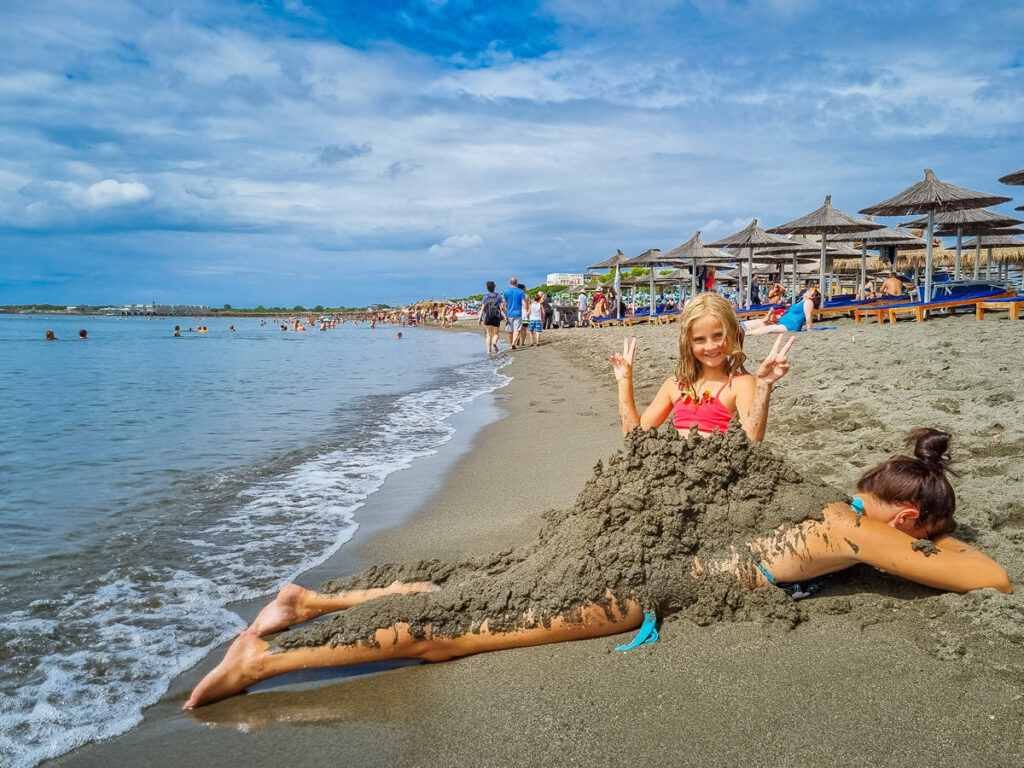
<point>623,364</point>
<point>776,365</point>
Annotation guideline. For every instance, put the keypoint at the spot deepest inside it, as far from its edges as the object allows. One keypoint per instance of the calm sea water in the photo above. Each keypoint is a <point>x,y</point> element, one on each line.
<point>146,482</point>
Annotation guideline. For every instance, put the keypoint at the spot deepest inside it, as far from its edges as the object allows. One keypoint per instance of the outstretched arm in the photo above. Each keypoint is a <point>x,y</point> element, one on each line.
<point>752,398</point>
<point>947,564</point>
<point>659,408</point>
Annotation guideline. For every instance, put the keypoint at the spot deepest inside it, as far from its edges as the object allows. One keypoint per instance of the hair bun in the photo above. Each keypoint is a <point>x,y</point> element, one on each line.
<point>931,446</point>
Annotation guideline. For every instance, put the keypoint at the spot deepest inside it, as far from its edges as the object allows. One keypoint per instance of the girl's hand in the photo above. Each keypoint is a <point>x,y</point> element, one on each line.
<point>622,364</point>
<point>776,365</point>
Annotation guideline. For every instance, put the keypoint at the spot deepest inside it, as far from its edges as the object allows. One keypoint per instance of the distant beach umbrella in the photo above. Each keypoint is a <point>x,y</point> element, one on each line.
<point>994,242</point>
<point>1013,179</point>
<point>649,259</point>
<point>750,237</point>
<point>970,221</point>
<point>825,221</point>
<point>930,197</point>
<point>885,237</point>
<point>614,262</point>
<point>697,253</point>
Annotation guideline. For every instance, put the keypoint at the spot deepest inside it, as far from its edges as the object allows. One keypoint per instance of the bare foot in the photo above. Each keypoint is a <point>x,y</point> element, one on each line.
<point>287,609</point>
<point>239,669</point>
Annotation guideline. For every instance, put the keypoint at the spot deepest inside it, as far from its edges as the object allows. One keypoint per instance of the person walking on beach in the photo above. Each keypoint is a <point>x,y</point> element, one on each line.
<point>491,316</point>
<point>709,384</point>
<point>537,316</point>
<point>581,307</point>
<point>513,299</point>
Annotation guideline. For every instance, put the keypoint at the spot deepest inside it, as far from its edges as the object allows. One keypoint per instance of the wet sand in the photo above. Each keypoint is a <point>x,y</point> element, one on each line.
<point>878,674</point>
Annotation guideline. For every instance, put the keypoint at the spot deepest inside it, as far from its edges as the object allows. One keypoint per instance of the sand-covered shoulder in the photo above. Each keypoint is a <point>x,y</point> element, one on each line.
<point>872,672</point>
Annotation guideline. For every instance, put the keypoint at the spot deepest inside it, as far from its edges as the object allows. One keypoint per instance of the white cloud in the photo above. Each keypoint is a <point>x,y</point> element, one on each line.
<point>110,193</point>
<point>456,243</point>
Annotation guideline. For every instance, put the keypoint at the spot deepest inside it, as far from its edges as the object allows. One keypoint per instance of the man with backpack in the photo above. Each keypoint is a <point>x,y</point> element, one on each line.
<point>491,315</point>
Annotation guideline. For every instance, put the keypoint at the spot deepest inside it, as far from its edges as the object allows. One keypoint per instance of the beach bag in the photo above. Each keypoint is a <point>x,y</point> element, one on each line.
<point>492,310</point>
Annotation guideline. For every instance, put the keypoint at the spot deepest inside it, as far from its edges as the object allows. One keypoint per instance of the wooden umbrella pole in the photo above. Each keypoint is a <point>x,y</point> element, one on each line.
<point>988,265</point>
<point>956,264</point>
<point>863,266</point>
<point>821,271</point>
<point>929,231</point>
<point>794,278</point>
<point>750,278</point>
<point>977,257</point>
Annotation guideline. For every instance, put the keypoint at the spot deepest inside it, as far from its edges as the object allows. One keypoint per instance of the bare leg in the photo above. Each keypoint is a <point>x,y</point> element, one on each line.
<point>249,660</point>
<point>762,329</point>
<point>294,605</point>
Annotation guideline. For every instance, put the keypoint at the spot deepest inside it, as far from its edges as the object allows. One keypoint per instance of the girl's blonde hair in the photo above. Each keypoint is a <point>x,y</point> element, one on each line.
<point>689,369</point>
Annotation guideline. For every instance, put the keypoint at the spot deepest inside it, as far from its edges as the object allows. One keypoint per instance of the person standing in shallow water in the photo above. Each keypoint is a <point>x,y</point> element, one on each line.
<point>900,522</point>
<point>709,385</point>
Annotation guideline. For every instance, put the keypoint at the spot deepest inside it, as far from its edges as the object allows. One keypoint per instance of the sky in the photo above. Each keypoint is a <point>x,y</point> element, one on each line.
<point>284,152</point>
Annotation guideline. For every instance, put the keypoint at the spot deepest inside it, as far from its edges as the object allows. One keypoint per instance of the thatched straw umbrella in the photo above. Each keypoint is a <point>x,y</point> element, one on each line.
<point>825,221</point>
<point>613,262</point>
<point>799,249</point>
<point>1014,179</point>
<point>932,196</point>
<point>995,242</point>
<point>885,237</point>
<point>970,221</point>
<point>651,258</point>
<point>750,237</point>
<point>695,251</point>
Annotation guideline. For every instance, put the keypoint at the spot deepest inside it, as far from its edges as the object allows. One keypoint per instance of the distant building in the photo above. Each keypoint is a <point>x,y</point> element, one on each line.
<point>565,278</point>
<point>144,310</point>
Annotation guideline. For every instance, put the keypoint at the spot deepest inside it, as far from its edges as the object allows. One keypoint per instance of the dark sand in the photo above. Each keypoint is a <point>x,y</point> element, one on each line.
<point>876,672</point>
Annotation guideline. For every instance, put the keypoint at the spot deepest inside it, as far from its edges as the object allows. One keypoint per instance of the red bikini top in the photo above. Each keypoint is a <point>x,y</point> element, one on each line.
<point>706,412</point>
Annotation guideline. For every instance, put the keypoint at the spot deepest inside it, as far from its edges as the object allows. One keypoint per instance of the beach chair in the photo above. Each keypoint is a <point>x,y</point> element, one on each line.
<point>1011,303</point>
<point>920,307</point>
<point>666,317</point>
<point>601,322</point>
<point>638,316</point>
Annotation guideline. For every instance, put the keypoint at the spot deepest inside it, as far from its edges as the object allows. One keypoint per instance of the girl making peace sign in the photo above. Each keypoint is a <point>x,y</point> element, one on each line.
<point>709,384</point>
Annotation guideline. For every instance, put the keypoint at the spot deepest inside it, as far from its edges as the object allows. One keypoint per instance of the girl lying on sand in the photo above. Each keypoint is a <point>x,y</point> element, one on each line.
<point>647,535</point>
<point>709,385</point>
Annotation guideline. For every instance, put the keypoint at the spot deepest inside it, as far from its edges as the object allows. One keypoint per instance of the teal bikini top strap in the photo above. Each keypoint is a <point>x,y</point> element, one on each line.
<point>857,504</point>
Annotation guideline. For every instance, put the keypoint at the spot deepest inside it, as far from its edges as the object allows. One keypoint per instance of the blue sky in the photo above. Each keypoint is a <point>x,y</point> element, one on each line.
<point>295,151</point>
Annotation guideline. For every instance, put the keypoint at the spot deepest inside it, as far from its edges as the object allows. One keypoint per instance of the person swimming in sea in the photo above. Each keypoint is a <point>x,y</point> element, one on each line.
<point>709,384</point>
<point>599,570</point>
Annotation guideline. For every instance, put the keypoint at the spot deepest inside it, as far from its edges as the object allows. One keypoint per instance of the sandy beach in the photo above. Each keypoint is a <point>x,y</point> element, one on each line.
<point>875,672</point>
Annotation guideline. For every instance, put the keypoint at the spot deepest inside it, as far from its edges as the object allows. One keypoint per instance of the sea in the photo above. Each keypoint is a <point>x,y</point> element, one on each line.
<point>147,482</point>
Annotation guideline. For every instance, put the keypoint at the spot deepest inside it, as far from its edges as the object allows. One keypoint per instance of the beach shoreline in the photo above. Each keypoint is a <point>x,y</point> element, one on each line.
<point>746,692</point>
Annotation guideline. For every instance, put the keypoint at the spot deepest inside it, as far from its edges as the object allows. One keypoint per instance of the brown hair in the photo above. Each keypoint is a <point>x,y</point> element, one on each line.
<point>688,369</point>
<point>920,481</point>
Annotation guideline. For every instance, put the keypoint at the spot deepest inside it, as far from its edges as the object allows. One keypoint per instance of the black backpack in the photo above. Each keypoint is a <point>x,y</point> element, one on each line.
<point>492,309</point>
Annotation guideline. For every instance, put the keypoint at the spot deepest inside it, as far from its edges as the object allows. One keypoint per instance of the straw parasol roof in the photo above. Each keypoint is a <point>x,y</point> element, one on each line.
<point>611,262</point>
<point>1014,179</point>
<point>933,195</point>
<point>970,221</point>
<point>996,241</point>
<point>695,251</point>
<point>751,237</point>
<point>825,220</point>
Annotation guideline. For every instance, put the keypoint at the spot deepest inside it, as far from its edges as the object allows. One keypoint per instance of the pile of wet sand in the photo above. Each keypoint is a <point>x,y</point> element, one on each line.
<point>632,534</point>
